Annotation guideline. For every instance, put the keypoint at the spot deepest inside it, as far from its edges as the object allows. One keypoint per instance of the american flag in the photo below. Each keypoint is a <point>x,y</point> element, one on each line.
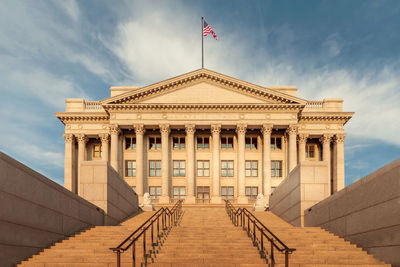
<point>207,29</point>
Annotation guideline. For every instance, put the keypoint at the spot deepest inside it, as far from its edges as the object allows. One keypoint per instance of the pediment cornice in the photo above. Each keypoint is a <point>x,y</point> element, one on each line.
<point>204,75</point>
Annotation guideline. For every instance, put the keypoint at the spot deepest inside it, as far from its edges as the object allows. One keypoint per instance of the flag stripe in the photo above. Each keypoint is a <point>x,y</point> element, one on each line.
<point>207,29</point>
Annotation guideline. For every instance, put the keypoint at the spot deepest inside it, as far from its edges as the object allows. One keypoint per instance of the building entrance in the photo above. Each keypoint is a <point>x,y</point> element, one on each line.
<point>203,194</point>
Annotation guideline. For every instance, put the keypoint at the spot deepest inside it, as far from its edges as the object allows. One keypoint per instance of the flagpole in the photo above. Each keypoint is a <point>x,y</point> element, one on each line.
<point>202,42</point>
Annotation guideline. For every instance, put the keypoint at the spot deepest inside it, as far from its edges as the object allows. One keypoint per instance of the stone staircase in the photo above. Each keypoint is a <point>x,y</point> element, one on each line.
<point>315,246</point>
<point>205,236</point>
<point>91,247</point>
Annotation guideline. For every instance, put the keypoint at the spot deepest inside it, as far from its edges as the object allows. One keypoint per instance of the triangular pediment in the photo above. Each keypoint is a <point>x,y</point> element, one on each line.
<point>205,87</point>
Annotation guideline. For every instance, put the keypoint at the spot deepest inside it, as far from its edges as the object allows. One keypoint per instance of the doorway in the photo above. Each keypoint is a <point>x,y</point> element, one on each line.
<point>203,194</point>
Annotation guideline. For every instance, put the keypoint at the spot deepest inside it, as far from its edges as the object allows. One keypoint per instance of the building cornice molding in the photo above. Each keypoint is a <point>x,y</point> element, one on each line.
<point>341,117</point>
<point>203,107</point>
<point>68,117</point>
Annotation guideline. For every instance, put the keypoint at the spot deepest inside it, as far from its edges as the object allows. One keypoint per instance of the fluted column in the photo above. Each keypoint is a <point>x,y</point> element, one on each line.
<point>190,130</point>
<point>114,130</point>
<point>241,134</point>
<point>82,140</point>
<point>338,181</point>
<point>69,163</point>
<point>164,129</point>
<point>139,130</point>
<point>105,139</point>
<point>292,131</point>
<point>266,131</point>
<point>326,156</point>
<point>302,139</point>
<point>216,194</point>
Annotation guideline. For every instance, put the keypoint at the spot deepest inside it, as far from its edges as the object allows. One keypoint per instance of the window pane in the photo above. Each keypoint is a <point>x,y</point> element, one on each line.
<point>254,173</point>
<point>230,191</point>
<point>206,164</point>
<point>200,164</point>
<point>183,191</point>
<point>254,191</point>
<point>248,142</point>
<point>248,191</point>
<point>247,164</point>
<point>158,172</point>
<point>223,165</point>
<point>158,188</point>
<point>199,172</point>
<point>223,145</point>
<point>158,164</point>
<point>176,164</point>
<point>230,142</point>
<point>223,190</point>
<point>206,172</point>
<point>279,143</point>
<point>230,173</point>
<point>230,164</point>
<point>182,163</point>
<point>248,173</point>
<point>127,143</point>
<point>182,172</point>
<point>176,191</point>
<point>206,142</point>
<point>152,164</point>
<point>223,172</point>
<point>254,163</point>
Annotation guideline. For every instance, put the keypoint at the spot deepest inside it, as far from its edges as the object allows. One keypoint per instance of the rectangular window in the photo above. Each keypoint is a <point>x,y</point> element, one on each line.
<point>251,191</point>
<point>178,142</point>
<point>227,168</point>
<point>179,192</point>
<point>155,192</point>
<point>251,168</point>
<point>154,143</point>
<point>227,192</point>
<point>130,168</point>
<point>276,168</point>
<point>130,142</point>
<point>310,150</point>
<point>96,150</point>
<point>203,142</point>
<point>226,142</point>
<point>155,168</point>
<point>179,167</point>
<point>276,142</point>
<point>203,168</point>
<point>251,142</point>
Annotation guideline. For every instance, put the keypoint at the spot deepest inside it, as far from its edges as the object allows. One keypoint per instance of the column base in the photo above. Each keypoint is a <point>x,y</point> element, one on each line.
<point>164,200</point>
<point>216,200</point>
<point>190,200</point>
<point>242,200</point>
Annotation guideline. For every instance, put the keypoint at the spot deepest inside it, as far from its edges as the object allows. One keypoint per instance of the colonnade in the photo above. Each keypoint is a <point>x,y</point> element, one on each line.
<point>295,141</point>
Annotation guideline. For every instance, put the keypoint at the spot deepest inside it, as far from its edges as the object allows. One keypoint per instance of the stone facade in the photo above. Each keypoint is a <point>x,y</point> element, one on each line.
<point>204,136</point>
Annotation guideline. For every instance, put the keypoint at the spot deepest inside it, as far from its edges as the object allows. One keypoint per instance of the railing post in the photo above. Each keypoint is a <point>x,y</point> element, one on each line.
<point>254,232</point>
<point>248,225</point>
<point>262,243</point>
<point>158,228</point>
<point>272,254</point>
<point>118,258</point>
<point>133,254</point>
<point>286,258</point>
<point>144,245</point>
<point>152,234</point>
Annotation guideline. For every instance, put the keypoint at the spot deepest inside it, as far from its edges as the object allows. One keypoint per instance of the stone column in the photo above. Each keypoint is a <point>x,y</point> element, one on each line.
<point>338,181</point>
<point>292,131</point>
<point>241,134</point>
<point>190,130</point>
<point>266,131</point>
<point>216,192</point>
<point>326,156</point>
<point>105,138</point>
<point>164,129</point>
<point>82,140</point>
<point>139,130</point>
<point>302,140</point>
<point>69,163</point>
<point>114,130</point>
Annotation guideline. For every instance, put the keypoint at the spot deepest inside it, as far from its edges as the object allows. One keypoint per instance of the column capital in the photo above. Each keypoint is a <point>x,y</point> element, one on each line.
<point>326,138</point>
<point>216,129</point>
<point>190,128</point>
<point>104,137</point>
<point>82,138</point>
<point>114,129</point>
<point>266,128</point>
<point>302,138</point>
<point>139,128</point>
<point>292,129</point>
<point>241,128</point>
<point>69,138</point>
<point>164,128</point>
<point>339,138</point>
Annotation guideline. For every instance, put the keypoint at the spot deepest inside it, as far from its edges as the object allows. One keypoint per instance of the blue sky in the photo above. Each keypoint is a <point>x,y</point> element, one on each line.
<point>52,50</point>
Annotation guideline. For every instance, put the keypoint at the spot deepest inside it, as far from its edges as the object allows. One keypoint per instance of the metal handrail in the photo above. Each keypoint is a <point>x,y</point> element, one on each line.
<point>240,215</point>
<point>166,224</point>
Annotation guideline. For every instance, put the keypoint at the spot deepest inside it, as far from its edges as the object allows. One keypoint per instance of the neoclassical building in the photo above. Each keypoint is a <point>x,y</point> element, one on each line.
<point>204,136</point>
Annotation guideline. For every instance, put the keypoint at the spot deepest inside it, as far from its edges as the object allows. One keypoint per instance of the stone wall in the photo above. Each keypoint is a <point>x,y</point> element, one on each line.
<point>366,213</point>
<point>104,187</point>
<point>35,212</point>
<point>306,185</point>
